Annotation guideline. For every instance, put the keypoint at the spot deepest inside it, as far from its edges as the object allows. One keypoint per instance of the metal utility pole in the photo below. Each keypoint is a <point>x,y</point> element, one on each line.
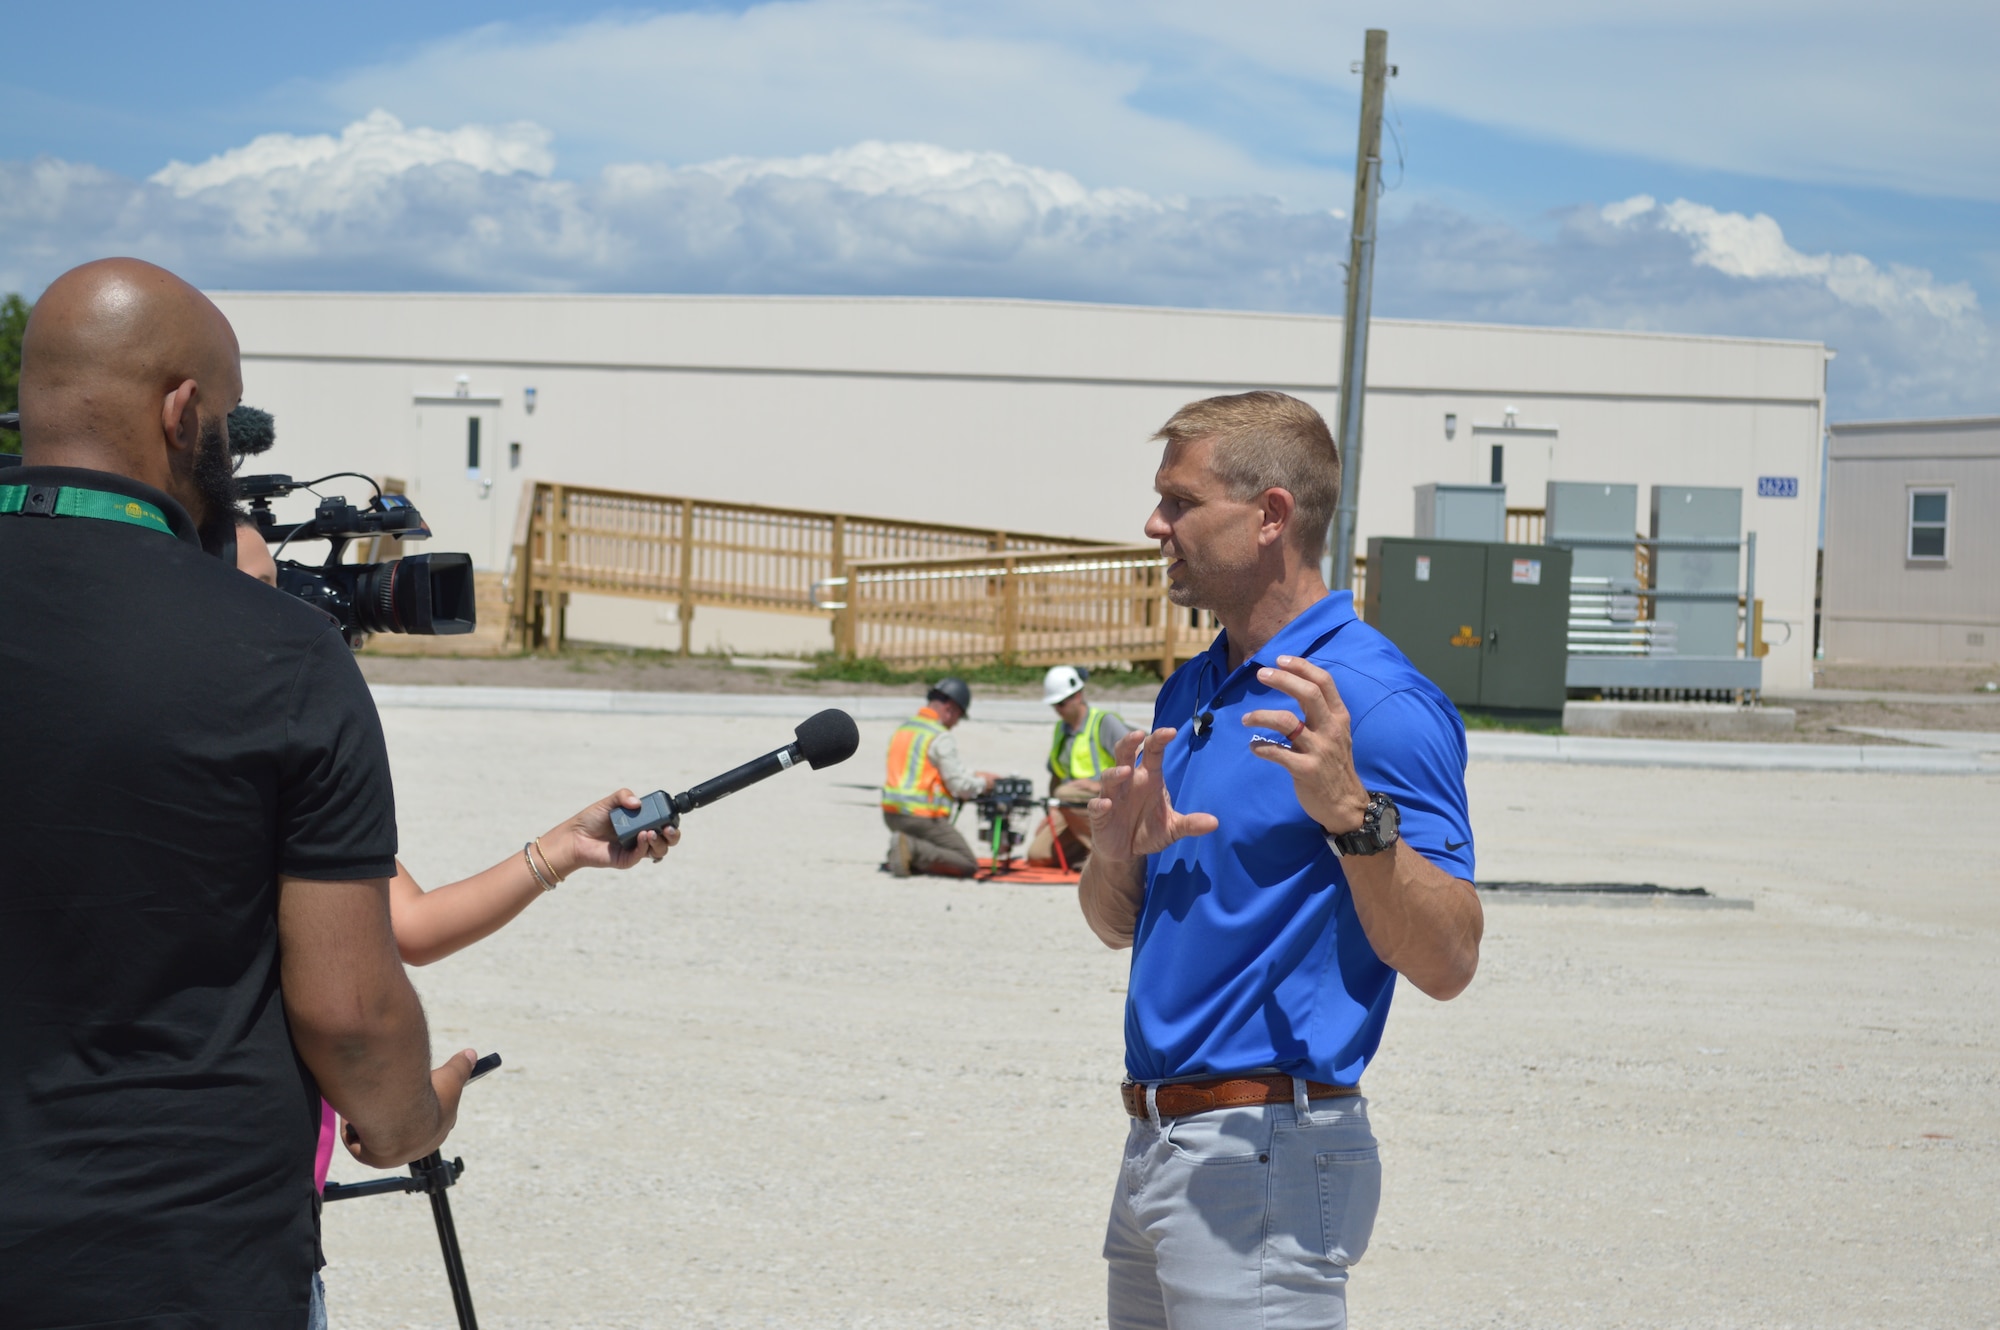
<point>1375,71</point>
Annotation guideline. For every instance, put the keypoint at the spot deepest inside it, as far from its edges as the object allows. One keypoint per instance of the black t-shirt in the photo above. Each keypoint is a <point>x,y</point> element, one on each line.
<point>176,736</point>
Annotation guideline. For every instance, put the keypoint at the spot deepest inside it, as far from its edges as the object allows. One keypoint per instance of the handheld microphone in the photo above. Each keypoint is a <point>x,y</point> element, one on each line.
<point>823,740</point>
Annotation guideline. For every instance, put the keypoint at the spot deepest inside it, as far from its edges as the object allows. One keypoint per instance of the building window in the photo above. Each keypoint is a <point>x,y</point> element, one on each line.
<point>1930,520</point>
<point>513,457</point>
<point>1498,471</point>
<point>472,444</point>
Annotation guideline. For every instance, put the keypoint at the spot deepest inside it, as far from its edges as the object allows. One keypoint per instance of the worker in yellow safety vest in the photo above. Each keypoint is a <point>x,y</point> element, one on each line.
<point>1080,752</point>
<point>923,784</point>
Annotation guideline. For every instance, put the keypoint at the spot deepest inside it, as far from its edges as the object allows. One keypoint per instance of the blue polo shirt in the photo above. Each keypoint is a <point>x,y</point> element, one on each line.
<point>1248,954</point>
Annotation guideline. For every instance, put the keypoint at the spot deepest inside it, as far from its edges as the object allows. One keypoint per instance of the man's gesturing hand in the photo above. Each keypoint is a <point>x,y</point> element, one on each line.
<point>448,1082</point>
<point>1321,756</point>
<point>1133,817</point>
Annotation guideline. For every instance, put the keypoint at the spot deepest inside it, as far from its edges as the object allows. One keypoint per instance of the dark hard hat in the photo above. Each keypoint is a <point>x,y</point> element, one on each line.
<point>952,690</point>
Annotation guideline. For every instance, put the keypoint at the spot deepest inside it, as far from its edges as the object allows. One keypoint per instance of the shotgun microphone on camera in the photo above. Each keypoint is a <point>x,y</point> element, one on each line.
<point>823,740</point>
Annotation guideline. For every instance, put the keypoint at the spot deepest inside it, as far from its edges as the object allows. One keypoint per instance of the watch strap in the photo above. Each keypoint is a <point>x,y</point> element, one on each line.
<point>1372,836</point>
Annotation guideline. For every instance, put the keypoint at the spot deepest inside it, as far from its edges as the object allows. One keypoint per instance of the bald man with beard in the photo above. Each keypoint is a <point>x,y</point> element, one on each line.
<point>199,830</point>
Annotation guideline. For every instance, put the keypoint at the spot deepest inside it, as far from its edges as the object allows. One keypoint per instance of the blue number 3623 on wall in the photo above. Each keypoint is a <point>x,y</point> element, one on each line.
<point>1777,487</point>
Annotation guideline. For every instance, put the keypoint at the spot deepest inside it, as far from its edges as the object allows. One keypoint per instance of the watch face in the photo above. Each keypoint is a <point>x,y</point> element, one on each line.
<point>1391,819</point>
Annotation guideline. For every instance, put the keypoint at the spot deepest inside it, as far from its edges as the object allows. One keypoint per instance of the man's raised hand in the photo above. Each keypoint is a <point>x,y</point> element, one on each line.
<point>1320,757</point>
<point>1133,817</point>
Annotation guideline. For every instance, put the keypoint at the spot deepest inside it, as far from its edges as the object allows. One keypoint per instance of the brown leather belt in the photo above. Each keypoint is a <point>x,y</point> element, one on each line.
<point>1182,1098</point>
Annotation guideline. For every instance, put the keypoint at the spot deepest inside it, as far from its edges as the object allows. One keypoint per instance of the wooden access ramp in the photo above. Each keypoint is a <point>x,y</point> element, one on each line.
<point>692,552</point>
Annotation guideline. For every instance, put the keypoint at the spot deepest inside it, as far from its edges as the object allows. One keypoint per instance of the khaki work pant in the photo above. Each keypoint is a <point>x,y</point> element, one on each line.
<point>1074,821</point>
<point>935,845</point>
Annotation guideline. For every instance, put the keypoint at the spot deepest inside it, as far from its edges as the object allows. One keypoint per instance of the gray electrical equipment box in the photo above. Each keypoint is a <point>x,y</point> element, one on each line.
<point>1697,532</point>
<point>1462,512</point>
<point>1599,524</point>
<point>1485,622</point>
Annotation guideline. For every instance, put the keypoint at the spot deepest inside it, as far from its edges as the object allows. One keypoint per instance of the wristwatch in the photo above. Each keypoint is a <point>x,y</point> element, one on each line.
<point>1377,832</point>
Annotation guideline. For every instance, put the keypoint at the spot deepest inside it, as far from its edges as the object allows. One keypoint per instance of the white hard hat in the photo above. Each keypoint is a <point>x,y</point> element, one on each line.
<point>1061,682</point>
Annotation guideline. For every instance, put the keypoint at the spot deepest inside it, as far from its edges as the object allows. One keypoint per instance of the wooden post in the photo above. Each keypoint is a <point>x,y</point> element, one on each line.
<point>843,645</point>
<point>558,563</point>
<point>850,620</point>
<point>1010,607</point>
<point>1375,73</point>
<point>523,608</point>
<point>687,577</point>
<point>1169,623</point>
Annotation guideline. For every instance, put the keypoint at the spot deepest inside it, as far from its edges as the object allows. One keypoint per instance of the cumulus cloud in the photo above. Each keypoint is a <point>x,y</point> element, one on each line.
<point>1908,344</point>
<point>1755,248</point>
<point>373,148</point>
<point>385,206</point>
<point>479,208</point>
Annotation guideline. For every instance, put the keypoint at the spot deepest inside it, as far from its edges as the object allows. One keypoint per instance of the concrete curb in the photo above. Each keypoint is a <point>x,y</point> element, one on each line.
<point>1870,695</point>
<point>794,707</point>
<point>1485,745</point>
<point>1586,750</point>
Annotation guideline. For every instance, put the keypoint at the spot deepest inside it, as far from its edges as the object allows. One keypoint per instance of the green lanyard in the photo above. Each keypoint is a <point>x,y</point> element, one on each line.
<point>71,501</point>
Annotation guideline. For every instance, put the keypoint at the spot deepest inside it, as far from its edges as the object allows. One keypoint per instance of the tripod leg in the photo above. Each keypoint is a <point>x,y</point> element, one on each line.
<point>454,1260</point>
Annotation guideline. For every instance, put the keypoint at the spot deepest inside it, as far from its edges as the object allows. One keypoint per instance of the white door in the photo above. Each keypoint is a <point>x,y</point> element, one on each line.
<point>1523,466</point>
<point>460,455</point>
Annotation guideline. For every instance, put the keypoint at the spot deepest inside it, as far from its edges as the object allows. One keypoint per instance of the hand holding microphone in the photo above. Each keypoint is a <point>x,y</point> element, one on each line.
<point>588,839</point>
<point>822,741</point>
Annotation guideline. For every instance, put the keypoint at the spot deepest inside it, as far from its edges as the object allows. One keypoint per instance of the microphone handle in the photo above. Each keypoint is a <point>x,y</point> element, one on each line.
<point>729,782</point>
<point>657,812</point>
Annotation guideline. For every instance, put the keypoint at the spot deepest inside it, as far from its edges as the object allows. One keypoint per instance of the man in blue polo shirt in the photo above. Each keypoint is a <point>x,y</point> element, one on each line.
<point>1290,837</point>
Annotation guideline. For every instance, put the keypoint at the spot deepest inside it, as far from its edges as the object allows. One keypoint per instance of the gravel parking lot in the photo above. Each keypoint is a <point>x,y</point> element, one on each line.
<point>764,1084</point>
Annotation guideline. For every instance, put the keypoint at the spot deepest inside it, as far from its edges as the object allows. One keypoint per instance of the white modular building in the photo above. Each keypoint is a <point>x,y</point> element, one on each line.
<point>1024,415</point>
<point>1912,550</point>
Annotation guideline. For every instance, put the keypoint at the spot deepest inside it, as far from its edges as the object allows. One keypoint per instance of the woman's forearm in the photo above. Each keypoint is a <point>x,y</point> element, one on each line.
<point>431,925</point>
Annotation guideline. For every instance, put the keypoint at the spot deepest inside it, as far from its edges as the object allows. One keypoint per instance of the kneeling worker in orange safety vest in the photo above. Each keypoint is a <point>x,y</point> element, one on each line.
<point>925,778</point>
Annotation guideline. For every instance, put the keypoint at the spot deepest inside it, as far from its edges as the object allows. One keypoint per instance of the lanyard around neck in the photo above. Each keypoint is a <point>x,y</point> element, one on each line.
<point>75,501</point>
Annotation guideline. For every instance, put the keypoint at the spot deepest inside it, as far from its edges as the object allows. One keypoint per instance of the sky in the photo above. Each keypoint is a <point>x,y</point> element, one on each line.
<point>1763,168</point>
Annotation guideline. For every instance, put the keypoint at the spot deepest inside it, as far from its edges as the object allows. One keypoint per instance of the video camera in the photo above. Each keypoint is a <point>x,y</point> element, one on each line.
<point>429,594</point>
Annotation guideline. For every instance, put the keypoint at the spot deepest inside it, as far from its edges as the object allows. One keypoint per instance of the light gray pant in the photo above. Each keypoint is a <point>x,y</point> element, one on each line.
<point>1242,1218</point>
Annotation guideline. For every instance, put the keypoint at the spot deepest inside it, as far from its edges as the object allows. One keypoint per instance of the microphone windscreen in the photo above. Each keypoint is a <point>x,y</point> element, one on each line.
<point>251,431</point>
<point>827,738</point>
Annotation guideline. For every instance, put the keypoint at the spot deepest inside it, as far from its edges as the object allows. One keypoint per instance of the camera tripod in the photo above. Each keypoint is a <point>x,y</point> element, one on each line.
<point>431,1175</point>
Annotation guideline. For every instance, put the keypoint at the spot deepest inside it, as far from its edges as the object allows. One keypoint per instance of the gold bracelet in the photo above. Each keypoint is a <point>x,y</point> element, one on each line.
<point>547,862</point>
<point>528,858</point>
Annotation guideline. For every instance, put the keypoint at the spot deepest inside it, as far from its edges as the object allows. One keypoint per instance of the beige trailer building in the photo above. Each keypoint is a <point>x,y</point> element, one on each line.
<point>1912,546</point>
<point>1027,415</point>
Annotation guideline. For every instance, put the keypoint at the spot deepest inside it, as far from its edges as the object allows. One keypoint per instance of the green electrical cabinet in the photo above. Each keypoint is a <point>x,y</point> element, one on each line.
<point>1488,624</point>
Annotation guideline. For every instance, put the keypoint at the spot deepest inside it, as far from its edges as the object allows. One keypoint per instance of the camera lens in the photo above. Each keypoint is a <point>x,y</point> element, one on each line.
<point>424,593</point>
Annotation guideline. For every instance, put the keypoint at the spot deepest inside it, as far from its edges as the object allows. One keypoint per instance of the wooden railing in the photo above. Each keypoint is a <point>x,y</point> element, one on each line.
<point>1098,606</point>
<point>1527,526</point>
<point>690,552</point>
